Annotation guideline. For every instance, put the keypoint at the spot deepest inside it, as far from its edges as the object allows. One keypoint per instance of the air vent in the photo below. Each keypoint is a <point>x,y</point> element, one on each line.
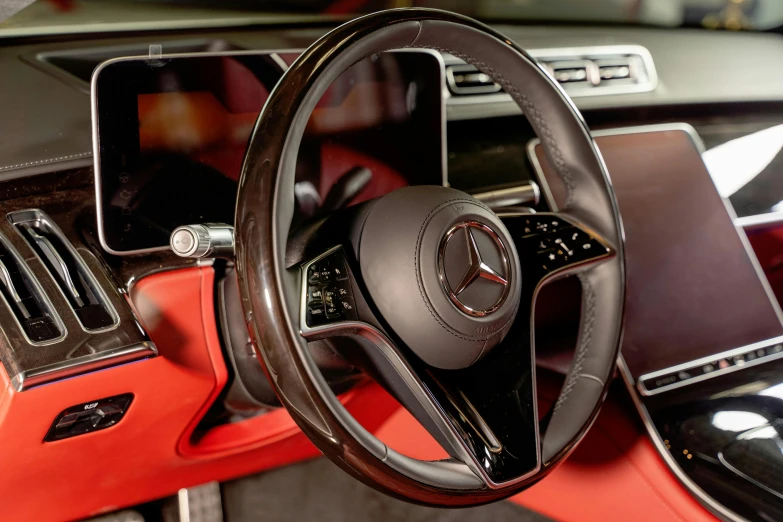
<point>466,79</point>
<point>573,71</point>
<point>26,299</point>
<point>582,71</point>
<point>67,268</point>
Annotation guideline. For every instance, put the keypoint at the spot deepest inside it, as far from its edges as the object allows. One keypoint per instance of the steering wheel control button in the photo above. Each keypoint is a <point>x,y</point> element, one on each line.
<point>314,275</point>
<point>556,242</point>
<point>329,295</point>
<point>89,417</point>
<point>315,312</point>
<point>324,271</point>
<point>347,306</point>
<point>339,271</point>
<point>207,240</point>
<point>330,301</point>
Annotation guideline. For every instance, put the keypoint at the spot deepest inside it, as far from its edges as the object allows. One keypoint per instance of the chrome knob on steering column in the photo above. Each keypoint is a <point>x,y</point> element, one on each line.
<point>207,240</point>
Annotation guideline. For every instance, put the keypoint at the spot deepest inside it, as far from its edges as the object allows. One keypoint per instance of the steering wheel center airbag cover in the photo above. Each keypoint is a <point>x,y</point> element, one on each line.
<point>415,254</point>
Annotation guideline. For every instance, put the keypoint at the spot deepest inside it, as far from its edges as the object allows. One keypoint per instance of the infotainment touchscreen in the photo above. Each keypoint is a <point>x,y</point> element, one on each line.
<point>171,135</point>
<point>693,288</point>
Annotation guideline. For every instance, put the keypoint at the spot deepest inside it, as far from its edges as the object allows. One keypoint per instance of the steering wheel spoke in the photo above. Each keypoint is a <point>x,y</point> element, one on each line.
<point>492,405</point>
<point>484,416</point>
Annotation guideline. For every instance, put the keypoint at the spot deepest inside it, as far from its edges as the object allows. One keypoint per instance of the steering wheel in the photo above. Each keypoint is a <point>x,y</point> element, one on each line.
<point>427,289</point>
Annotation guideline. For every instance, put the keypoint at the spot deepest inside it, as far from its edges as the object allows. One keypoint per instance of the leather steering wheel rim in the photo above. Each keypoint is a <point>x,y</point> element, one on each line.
<point>271,290</point>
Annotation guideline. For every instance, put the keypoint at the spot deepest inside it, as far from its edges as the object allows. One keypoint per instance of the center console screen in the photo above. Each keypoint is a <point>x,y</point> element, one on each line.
<point>693,288</point>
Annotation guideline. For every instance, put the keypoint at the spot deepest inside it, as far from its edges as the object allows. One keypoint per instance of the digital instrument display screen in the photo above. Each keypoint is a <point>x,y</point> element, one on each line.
<point>197,126</point>
<point>692,287</point>
<point>172,135</point>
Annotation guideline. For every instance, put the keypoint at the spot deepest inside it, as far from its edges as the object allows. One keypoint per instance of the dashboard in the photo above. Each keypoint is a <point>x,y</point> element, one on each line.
<point>171,115</point>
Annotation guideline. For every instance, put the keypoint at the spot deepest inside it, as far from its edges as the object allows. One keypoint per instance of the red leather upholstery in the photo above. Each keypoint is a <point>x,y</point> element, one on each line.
<point>151,453</point>
<point>767,242</point>
<point>615,474</point>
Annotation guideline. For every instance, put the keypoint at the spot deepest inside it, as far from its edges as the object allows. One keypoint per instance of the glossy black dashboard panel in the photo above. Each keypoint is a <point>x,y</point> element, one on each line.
<point>725,436</point>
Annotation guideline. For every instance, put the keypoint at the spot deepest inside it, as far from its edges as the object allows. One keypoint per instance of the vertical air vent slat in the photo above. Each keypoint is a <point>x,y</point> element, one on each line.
<point>26,299</point>
<point>55,262</point>
<point>67,268</point>
<point>10,292</point>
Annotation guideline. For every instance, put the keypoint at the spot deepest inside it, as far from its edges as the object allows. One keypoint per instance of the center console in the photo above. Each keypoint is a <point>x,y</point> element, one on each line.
<point>703,334</point>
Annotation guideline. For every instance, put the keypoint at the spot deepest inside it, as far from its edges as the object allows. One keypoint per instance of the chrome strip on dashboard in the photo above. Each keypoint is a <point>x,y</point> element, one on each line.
<point>523,194</point>
<point>710,503</point>
<point>98,361</point>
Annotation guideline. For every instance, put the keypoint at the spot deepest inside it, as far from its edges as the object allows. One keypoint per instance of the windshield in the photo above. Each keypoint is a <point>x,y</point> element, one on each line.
<point>71,16</point>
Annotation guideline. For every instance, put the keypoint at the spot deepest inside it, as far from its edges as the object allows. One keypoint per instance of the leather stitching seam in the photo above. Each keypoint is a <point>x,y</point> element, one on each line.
<point>584,345</point>
<point>46,161</point>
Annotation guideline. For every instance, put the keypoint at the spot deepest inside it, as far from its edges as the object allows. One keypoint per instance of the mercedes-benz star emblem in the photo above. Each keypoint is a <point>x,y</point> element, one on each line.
<point>493,268</point>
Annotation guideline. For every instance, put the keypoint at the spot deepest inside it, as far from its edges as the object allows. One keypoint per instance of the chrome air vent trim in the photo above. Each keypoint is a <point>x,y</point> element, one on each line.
<point>99,361</point>
<point>582,71</point>
<point>79,350</point>
<point>34,225</point>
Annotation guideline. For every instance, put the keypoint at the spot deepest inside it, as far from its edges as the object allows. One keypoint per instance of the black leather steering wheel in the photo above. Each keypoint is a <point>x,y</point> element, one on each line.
<point>427,289</point>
